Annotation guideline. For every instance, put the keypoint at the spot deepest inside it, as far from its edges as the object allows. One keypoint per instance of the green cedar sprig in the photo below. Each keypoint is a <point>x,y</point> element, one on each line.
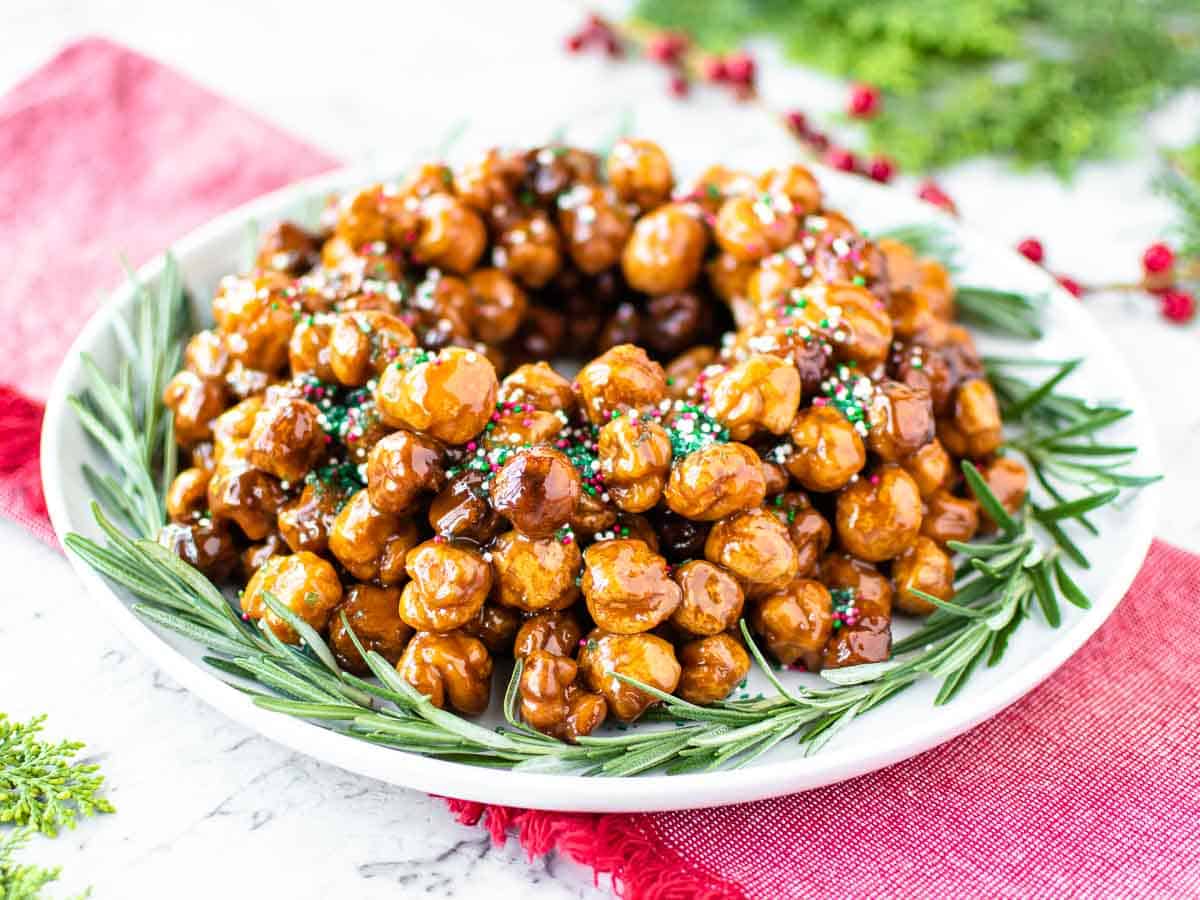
<point>1040,82</point>
<point>41,784</point>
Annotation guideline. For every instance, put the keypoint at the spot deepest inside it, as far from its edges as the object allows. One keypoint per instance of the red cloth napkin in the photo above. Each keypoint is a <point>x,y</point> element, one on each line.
<point>1088,786</point>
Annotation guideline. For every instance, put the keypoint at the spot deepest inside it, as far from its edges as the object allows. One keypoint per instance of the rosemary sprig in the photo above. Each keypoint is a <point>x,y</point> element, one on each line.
<point>1003,582</point>
<point>127,417</point>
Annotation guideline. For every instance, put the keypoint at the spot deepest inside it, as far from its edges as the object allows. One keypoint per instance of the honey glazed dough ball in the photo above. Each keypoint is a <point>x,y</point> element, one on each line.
<point>627,586</point>
<point>373,614</point>
<point>715,482</point>
<point>553,702</point>
<point>302,583</point>
<point>644,657</point>
<point>453,670</point>
<point>536,490</point>
<point>536,574</point>
<point>879,517</point>
<point>448,586</point>
<point>665,251</point>
<point>450,396</point>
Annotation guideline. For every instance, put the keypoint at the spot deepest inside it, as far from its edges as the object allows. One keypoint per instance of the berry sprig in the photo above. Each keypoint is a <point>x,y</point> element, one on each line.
<point>738,72</point>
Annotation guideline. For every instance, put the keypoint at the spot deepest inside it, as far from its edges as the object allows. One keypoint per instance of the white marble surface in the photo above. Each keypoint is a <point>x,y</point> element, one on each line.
<point>206,808</point>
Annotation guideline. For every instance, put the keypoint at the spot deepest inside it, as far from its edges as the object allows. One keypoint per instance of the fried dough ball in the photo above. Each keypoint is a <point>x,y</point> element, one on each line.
<point>595,226</point>
<point>363,344</point>
<point>205,544</point>
<point>451,669</point>
<point>924,567</point>
<point>529,250</point>
<point>535,574</point>
<point>711,601</point>
<point>869,638</point>
<point>496,626</point>
<point>644,657</point>
<point>540,386</point>
<point>231,429</point>
<point>305,523</point>
<point>775,280</point>
<point>759,393</point>
<point>448,586</point>
<point>827,450</point>
<point>665,251</point>
<point>255,318</point>
<point>195,402</point>
<point>729,278</point>
<point>976,428</point>
<point>809,531</point>
<point>622,378</point>
<point>205,354</point>
<point>751,227</point>
<point>309,352</point>
<point>537,490</point>
<point>627,586</point>
<point>674,322</point>
<point>795,622</point>
<point>462,509</point>
<point>949,518</point>
<point>556,632</point>
<point>553,702</point>
<point>287,438</point>
<point>489,181</point>
<point>450,235</point>
<point>635,456</point>
<point>640,172</point>
<point>366,540</point>
<point>255,556</point>
<point>879,517</point>
<point>499,305</point>
<point>711,668</point>
<point>374,617</point>
<point>755,547</point>
<point>450,396</point>
<point>930,467</point>
<point>864,323</point>
<point>303,583</point>
<point>714,482</point>
<point>1008,480</point>
<point>187,497</point>
<point>401,468</point>
<point>244,495</point>
<point>901,419</point>
<point>288,248</point>
<point>797,184</point>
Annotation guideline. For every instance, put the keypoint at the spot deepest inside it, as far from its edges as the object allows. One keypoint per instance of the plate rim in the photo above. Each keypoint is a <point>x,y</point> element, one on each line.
<point>646,793</point>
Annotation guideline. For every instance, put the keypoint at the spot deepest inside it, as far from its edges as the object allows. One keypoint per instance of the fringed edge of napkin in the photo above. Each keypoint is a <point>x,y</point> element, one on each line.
<point>21,496</point>
<point>641,867</point>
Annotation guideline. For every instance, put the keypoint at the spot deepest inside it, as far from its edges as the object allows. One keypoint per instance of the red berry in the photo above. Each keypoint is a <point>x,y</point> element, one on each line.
<point>881,169</point>
<point>842,159</point>
<point>679,86</point>
<point>740,68</point>
<point>818,140</point>
<point>714,69</point>
<point>1158,258</point>
<point>1178,306</point>
<point>1032,250</point>
<point>666,47</point>
<point>1070,285</point>
<point>930,192</point>
<point>574,43</point>
<point>864,101</point>
<point>797,122</point>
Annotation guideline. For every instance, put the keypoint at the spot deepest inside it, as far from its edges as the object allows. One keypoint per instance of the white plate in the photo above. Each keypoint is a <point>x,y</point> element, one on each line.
<point>903,727</point>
